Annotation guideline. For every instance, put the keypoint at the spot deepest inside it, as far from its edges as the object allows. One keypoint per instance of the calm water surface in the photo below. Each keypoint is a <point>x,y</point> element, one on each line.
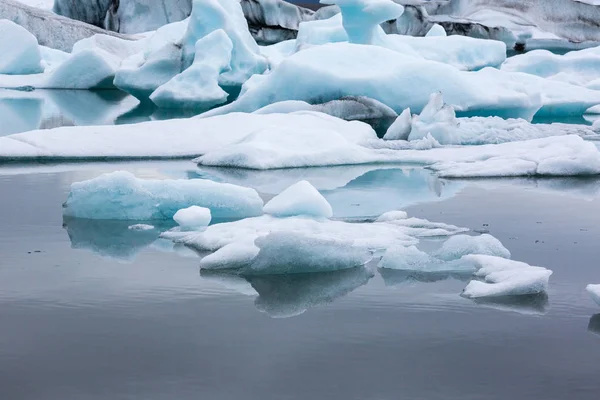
<point>93,310</point>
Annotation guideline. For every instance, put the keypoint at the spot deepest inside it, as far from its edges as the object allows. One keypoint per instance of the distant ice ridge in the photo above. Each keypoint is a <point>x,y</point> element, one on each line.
<point>122,196</point>
<point>594,291</point>
<point>581,68</point>
<point>213,43</point>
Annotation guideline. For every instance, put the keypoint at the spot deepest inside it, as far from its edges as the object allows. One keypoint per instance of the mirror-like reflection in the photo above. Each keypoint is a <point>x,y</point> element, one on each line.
<point>120,240</point>
<point>393,277</point>
<point>289,295</point>
<point>594,324</point>
<point>534,304</point>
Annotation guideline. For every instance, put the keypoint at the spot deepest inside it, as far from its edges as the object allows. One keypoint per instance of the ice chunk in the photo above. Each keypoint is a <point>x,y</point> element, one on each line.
<point>142,74</point>
<point>400,129</point>
<point>120,195</point>
<point>140,227</point>
<point>299,199</point>
<point>361,18</point>
<point>328,72</point>
<point>594,291</point>
<point>292,253</point>
<point>436,31</point>
<point>410,258</point>
<point>193,217</point>
<point>198,86</point>
<point>210,15</point>
<point>502,277</point>
<point>461,245</point>
<point>232,256</point>
<point>86,69</point>
<point>19,49</point>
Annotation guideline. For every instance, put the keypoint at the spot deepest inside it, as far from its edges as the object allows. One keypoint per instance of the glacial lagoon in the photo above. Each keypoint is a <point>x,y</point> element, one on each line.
<point>93,309</point>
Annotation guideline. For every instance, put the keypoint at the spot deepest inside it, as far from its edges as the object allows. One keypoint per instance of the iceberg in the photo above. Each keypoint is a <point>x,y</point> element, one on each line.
<point>461,245</point>
<point>122,196</point>
<point>299,199</point>
<point>193,217</point>
<point>328,72</point>
<point>400,128</point>
<point>20,51</point>
<point>594,291</point>
<point>198,86</point>
<point>502,277</point>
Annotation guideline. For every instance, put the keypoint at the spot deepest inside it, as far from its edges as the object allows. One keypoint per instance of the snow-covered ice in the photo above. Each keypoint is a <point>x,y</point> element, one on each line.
<point>120,195</point>
<point>193,217</point>
<point>299,199</point>
<point>594,291</point>
<point>503,277</point>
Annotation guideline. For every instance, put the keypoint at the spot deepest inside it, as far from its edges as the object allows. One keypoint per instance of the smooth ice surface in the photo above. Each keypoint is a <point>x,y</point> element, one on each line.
<point>299,199</point>
<point>168,139</point>
<point>19,49</point>
<point>594,291</point>
<point>193,217</point>
<point>502,277</point>
<point>120,195</point>
<point>198,86</point>
<point>328,72</point>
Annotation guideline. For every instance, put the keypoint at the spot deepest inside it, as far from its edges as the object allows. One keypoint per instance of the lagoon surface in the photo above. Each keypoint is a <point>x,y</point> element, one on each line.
<point>94,310</point>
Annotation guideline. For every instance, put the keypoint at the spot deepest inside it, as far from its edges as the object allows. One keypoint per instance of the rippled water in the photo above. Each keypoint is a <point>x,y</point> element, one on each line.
<point>93,310</point>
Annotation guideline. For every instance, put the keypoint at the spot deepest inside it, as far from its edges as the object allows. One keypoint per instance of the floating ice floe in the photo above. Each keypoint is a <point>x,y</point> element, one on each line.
<point>503,277</point>
<point>299,199</point>
<point>594,291</point>
<point>171,139</point>
<point>122,196</point>
<point>192,218</point>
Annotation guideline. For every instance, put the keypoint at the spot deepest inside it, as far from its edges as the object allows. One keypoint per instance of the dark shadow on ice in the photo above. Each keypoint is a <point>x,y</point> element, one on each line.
<point>112,239</point>
<point>289,295</point>
<point>394,277</point>
<point>594,324</point>
<point>533,304</point>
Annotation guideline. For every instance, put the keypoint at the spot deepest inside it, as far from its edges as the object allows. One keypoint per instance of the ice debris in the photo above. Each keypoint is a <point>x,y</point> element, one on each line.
<point>192,218</point>
<point>299,199</point>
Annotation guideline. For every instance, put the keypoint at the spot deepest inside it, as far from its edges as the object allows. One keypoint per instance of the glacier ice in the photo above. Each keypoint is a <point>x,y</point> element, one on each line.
<point>86,69</point>
<point>193,217</point>
<point>594,291</point>
<point>120,195</point>
<point>461,245</point>
<point>503,277</point>
<point>19,49</point>
<point>299,199</point>
<point>198,86</point>
<point>437,31</point>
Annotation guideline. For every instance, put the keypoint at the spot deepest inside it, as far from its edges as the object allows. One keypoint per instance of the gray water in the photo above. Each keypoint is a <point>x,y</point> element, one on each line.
<point>93,310</point>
